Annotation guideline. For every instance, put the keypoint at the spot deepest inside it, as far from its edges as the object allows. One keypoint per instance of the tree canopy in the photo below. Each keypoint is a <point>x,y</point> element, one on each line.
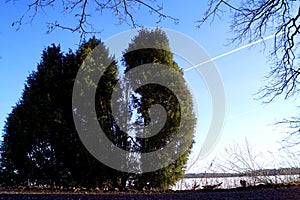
<point>41,144</point>
<point>152,47</point>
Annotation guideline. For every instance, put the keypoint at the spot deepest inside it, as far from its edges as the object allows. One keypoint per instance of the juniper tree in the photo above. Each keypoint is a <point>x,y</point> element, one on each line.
<point>152,47</point>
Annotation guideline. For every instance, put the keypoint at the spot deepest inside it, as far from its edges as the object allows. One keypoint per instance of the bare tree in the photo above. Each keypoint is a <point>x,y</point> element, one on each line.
<point>255,19</point>
<point>83,10</point>
<point>292,137</point>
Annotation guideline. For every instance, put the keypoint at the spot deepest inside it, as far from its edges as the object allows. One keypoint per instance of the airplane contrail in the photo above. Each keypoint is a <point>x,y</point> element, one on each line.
<point>232,51</point>
<point>220,56</point>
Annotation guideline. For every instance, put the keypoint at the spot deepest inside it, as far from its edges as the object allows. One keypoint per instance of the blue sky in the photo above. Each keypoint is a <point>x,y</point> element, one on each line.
<point>242,72</point>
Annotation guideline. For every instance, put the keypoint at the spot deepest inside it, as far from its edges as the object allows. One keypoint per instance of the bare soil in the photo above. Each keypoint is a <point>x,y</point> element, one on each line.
<point>286,192</point>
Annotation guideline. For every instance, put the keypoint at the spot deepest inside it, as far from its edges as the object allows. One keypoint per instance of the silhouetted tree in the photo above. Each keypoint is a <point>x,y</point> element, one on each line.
<point>40,141</point>
<point>28,149</point>
<point>178,113</point>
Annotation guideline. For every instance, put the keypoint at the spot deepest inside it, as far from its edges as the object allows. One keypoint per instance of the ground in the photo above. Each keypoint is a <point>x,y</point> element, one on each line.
<point>282,192</point>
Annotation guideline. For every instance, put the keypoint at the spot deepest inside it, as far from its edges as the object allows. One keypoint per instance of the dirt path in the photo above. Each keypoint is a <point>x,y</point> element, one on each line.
<point>279,193</point>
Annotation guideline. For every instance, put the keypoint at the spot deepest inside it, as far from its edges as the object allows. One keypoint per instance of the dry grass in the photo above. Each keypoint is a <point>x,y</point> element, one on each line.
<point>251,166</point>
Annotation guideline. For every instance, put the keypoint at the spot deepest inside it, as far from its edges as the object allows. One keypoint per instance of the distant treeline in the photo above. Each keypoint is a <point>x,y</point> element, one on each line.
<point>261,172</point>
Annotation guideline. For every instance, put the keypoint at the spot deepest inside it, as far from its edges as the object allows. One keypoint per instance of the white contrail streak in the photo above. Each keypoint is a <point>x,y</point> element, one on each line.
<point>232,51</point>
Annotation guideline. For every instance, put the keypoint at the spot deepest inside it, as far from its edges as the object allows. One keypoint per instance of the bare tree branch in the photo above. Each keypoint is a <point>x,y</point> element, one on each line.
<point>240,159</point>
<point>83,10</point>
<point>214,10</point>
<point>292,137</point>
<point>254,19</point>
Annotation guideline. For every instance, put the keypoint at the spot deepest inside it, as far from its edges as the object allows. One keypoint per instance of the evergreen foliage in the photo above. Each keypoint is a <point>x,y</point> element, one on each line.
<point>178,114</point>
<point>41,144</point>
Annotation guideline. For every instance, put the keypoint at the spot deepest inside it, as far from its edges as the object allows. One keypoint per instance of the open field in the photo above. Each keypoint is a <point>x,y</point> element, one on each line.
<point>292,192</point>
